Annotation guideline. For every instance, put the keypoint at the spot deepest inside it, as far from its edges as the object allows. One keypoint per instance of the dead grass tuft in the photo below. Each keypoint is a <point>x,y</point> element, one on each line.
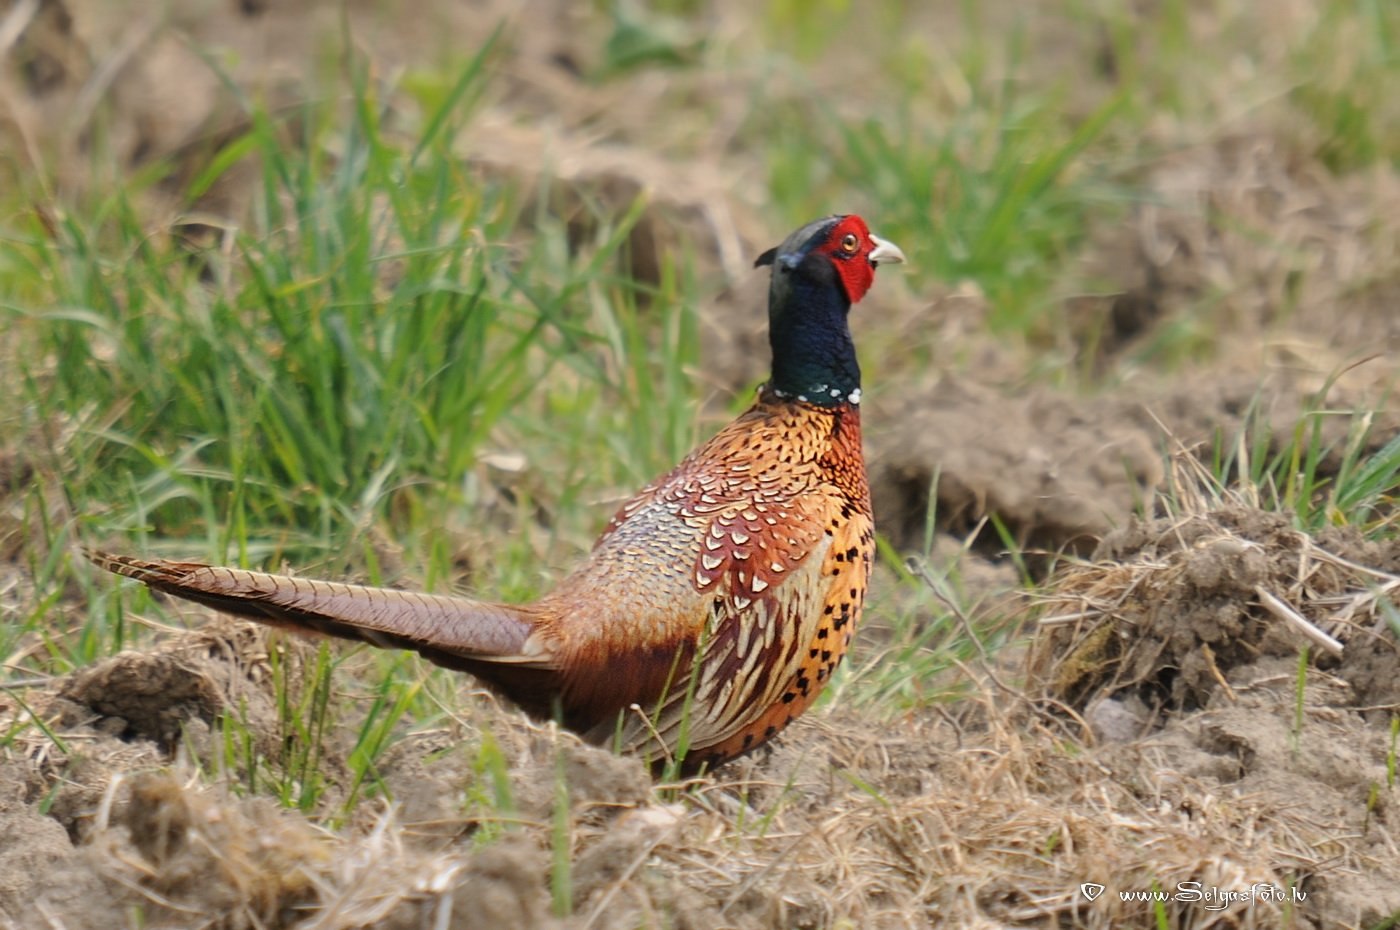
<point>990,813</point>
<point>1167,608</point>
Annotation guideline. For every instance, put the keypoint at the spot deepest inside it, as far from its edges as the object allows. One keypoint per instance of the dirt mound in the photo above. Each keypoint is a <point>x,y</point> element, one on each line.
<point>157,844</point>
<point>1170,608</point>
<point>1290,775</point>
<point>1061,471</point>
<point>138,711</point>
<point>1243,255</point>
<point>1170,741</point>
<point>992,811</point>
<point>1243,235</point>
<point>159,696</point>
<point>1183,650</point>
<point>978,817</point>
<point>115,764</point>
<point>1057,472</point>
<point>1203,766</point>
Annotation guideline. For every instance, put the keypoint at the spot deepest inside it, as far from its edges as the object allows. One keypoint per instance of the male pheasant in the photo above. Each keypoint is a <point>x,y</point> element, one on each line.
<point>717,602</point>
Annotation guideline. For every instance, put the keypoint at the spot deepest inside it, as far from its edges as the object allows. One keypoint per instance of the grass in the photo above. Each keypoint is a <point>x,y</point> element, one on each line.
<point>985,191</point>
<point>403,367</point>
<point>1356,51</point>
<point>317,394</point>
<point>332,376</point>
<point>1390,755</point>
<point>349,372</point>
<point>334,373</point>
<point>1330,469</point>
<point>388,319</point>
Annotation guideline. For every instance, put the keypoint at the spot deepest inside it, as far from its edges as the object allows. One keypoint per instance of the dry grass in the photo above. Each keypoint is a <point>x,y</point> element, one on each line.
<point>1168,734</point>
<point>988,815</point>
<point>1117,623</point>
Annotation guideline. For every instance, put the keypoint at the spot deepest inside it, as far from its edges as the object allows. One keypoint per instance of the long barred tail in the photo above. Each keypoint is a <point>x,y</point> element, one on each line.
<point>443,629</point>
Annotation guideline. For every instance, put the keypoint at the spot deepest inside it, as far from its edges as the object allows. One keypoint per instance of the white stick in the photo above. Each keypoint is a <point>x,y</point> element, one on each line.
<point>1281,610</point>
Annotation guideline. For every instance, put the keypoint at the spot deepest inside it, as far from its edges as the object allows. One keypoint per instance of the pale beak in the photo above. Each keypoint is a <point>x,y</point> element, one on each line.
<point>885,252</point>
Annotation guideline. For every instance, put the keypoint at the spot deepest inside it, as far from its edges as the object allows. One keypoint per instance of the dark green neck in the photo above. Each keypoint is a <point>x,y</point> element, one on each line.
<point>814,358</point>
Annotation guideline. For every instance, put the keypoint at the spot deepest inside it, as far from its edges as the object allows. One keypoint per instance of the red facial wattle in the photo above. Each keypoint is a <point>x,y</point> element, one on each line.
<point>853,265</point>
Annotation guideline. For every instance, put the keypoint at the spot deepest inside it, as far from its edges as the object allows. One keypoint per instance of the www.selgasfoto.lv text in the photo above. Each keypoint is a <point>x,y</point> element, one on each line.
<point>1214,898</point>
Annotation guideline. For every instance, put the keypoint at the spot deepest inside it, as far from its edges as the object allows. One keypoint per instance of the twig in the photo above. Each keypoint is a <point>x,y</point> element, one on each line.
<point>1286,613</point>
<point>15,684</point>
<point>1215,671</point>
<point>1062,619</point>
<point>1324,555</point>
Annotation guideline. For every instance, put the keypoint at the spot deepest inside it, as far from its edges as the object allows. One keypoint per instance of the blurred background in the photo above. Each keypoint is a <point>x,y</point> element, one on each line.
<point>416,293</point>
<point>232,229</point>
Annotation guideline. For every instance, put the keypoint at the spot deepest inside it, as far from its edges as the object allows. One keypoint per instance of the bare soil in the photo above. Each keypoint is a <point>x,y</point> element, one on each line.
<point>1161,732</point>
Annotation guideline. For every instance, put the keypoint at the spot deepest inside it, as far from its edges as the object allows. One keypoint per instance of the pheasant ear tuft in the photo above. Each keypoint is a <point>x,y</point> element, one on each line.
<point>767,258</point>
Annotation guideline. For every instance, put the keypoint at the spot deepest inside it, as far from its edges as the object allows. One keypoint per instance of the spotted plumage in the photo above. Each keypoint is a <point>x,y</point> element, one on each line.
<point>717,602</point>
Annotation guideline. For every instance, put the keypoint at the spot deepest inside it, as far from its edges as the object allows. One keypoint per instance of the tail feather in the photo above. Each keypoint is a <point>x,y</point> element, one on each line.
<point>451,631</point>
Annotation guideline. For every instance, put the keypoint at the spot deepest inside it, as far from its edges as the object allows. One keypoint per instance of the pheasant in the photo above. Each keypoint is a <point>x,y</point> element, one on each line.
<point>716,603</point>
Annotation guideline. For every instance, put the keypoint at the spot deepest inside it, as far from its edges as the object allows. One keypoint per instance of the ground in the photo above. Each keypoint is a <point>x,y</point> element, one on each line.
<point>1189,674</point>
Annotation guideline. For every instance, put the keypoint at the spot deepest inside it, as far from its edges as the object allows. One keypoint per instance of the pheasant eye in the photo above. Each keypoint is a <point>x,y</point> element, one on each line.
<point>849,244</point>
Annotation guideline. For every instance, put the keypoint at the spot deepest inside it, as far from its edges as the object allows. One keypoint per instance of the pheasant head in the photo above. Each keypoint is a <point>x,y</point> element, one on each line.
<point>818,273</point>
